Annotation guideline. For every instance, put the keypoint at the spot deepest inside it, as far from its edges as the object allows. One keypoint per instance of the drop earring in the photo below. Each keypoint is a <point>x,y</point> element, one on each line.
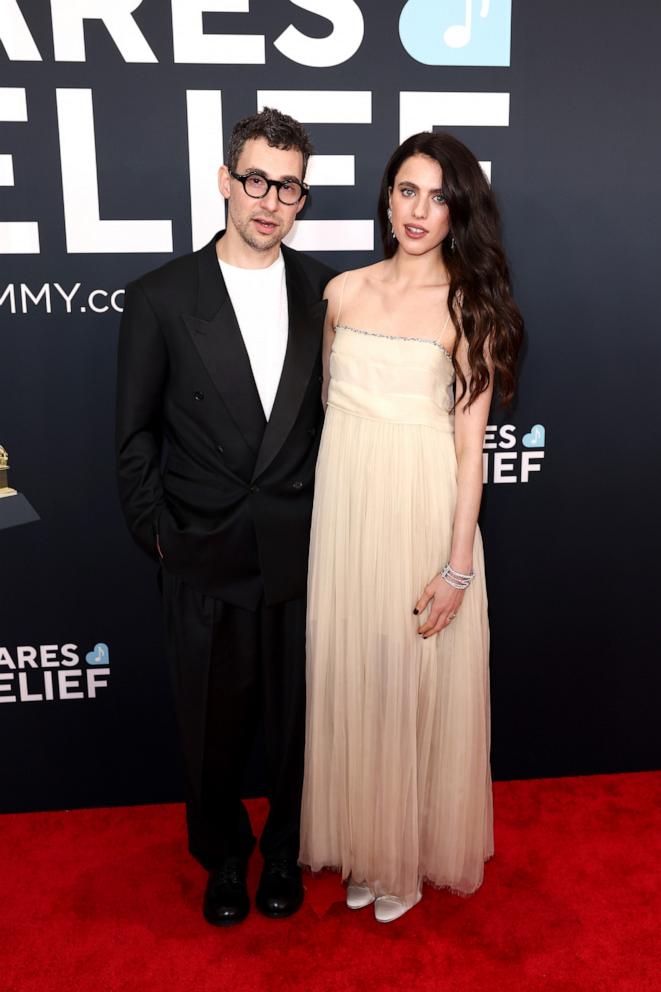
<point>452,242</point>
<point>392,229</point>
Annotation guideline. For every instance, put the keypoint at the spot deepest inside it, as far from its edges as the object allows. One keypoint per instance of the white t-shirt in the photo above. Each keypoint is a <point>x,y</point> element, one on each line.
<point>259,298</point>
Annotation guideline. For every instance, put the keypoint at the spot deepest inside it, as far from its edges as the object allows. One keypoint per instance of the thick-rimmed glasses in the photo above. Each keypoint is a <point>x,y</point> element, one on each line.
<point>289,191</point>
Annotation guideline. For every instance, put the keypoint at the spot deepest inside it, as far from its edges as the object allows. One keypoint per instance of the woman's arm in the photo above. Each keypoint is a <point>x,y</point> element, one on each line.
<point>469,428</point>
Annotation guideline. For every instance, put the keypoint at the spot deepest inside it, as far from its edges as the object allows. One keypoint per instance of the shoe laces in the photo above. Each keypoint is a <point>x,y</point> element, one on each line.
<point>231,873</point>
<point>281,867</point>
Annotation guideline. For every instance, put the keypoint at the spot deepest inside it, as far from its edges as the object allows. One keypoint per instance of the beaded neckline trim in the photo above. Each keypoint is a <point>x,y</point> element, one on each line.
<point>395,337</point>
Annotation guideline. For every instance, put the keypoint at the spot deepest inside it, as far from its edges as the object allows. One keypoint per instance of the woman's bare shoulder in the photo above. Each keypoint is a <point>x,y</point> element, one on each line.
<point>353,278</point>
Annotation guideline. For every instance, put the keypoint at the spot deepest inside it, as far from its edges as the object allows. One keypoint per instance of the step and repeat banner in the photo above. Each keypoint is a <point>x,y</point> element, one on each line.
<point>113,119</point>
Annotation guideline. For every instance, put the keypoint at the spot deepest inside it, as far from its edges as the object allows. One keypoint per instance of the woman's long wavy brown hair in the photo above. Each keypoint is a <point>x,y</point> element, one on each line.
<point>480,297</point>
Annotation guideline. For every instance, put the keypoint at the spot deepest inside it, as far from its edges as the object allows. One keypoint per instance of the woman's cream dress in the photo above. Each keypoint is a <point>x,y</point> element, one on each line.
<point>397,781</point>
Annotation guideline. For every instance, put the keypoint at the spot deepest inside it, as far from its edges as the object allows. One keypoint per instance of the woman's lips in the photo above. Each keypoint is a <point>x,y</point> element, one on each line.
<point>415,231</point>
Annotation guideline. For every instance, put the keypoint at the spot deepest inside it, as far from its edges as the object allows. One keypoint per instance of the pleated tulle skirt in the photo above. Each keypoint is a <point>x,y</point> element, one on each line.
<point>397,781</point>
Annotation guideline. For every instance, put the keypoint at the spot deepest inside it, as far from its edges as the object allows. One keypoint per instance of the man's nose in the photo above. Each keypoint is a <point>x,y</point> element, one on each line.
<point>271,201</point>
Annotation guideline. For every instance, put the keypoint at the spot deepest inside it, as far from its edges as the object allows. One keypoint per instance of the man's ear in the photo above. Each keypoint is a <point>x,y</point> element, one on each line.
<point>224,179</point>
<point>301,203</point>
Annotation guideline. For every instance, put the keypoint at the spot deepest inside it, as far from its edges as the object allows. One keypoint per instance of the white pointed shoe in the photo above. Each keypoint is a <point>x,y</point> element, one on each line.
<point>359,896</point>
<point>389,908</point>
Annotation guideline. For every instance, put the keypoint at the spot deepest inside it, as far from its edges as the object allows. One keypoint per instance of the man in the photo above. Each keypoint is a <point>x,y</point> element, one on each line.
<point>218,425</point>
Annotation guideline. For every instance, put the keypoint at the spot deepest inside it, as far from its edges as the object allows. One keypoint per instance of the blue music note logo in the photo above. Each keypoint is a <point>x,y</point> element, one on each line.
<point>536,438</point>
<point>458,35</point>
<point>448,33</point>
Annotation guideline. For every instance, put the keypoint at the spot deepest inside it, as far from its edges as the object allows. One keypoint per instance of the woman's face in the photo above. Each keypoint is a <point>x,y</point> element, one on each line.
<point>420,215</point>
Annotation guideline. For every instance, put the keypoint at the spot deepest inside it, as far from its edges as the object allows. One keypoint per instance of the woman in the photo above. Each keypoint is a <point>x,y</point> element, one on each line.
<point>397,782</point>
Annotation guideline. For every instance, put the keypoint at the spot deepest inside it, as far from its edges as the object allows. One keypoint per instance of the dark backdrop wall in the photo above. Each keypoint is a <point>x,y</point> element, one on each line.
<point>110,134</point>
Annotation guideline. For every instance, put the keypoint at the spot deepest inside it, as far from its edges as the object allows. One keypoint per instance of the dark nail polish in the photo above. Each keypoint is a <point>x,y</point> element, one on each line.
<point>415,612</point>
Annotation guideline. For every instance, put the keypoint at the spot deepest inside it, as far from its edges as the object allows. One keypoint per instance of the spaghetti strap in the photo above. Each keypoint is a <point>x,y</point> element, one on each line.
<point>339,306</point>
<point>447,321</point>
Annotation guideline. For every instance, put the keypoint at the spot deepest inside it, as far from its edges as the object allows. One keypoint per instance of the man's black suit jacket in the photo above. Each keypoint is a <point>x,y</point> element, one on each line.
<point>228,494</point>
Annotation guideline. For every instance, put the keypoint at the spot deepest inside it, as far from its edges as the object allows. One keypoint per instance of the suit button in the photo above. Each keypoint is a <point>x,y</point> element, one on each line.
<point>197,395</point>
<point>297,485</point>
<point>220,448</point>
<point>321,378</point>
<point>312,431</point>
<point>254,489</point>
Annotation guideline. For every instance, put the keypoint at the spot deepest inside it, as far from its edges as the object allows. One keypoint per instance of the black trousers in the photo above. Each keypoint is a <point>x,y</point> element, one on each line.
<point>231,669</point>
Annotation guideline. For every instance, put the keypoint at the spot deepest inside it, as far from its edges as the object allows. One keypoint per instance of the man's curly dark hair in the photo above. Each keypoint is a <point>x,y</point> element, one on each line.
<point>280,130</point>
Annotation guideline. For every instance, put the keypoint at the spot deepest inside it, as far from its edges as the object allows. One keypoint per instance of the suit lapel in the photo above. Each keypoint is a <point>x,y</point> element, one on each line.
<point>217,337</point>
<point>306,314</point>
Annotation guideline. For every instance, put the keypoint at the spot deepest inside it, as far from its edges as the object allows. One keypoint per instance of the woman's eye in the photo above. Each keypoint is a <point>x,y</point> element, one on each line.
<point>405,192</point>
<point>440,198</point>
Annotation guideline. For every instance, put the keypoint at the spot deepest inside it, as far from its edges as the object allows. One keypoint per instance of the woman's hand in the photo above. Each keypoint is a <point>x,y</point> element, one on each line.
<point>445,603</point>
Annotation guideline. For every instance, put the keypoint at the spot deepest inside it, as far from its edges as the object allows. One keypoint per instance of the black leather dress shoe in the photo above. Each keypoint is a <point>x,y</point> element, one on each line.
<point>280,891</point>
<point>226,898</point>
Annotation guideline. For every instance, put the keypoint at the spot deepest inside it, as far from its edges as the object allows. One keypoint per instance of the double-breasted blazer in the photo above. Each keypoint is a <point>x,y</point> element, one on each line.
<point>227,493</point>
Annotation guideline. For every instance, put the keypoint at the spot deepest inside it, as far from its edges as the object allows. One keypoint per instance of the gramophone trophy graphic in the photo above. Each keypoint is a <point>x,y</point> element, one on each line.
<point>4,475</point>
<point>14,507</point>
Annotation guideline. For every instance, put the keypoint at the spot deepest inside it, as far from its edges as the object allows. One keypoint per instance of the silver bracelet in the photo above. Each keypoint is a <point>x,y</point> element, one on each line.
<point>458,580</point>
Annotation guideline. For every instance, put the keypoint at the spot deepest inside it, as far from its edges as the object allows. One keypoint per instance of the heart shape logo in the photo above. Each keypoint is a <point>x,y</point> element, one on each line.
<point>100,655</point>
<point>536,437</point>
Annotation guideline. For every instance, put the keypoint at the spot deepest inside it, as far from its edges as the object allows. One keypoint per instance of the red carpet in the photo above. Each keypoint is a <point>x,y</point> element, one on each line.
<point>109,901</point>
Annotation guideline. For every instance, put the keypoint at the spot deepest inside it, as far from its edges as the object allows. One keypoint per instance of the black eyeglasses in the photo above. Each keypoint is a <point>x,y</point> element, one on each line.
<point>289,191</point>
